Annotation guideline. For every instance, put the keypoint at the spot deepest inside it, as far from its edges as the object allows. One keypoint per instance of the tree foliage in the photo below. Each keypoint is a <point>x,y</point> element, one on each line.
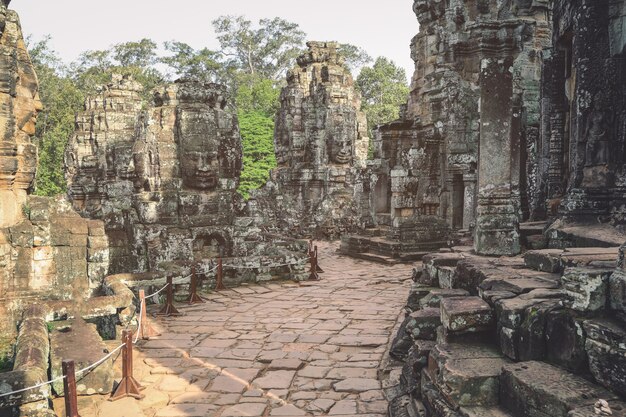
<point>187,62</point>
<point>268,49</point>
<point>355,57</point>
<point>257,132</point>
<point>61,100</point>
<point>383,88</point>
<point>94,68</point>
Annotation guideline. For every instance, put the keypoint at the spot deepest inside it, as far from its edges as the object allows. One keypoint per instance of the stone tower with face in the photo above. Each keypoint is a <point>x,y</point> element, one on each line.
<point>320,123</point>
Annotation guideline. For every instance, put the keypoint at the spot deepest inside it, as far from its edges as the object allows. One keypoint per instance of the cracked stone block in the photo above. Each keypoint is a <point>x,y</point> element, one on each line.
<point>423,324</point>
<point>466,314</point>
<point>468,373</point>
<point>543,390</point>
<point>80,341</point>
<point>586,288</point>
<point>606,348</point>
<point>433,299</point>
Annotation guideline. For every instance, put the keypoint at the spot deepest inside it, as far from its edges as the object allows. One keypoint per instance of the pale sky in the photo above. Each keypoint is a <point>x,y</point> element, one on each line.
<point>381,28</point>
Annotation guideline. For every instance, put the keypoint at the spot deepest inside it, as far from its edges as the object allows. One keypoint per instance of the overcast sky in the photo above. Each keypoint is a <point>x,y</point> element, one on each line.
<point>381,28</point>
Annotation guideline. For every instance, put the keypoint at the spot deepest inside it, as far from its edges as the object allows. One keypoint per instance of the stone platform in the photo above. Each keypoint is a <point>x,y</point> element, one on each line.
<point>273,350</point>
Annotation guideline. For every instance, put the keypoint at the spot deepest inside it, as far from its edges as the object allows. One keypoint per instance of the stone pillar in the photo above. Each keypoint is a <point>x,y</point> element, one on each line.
<point>497,224</point>
<point>469,203</point>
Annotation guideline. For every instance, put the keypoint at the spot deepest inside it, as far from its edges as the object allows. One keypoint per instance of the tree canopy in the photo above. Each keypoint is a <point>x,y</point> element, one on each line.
<point>383,88</point>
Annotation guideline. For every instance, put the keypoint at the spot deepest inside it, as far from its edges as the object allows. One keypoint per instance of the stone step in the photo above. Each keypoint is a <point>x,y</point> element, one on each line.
<point>373,257</point>
<point>467,374</point>
<point>555,260</point>
<point>537,389</point>
<point>527,229</point>
<point>466,315</point>
<point>484,412</point>
<point>80,342</point>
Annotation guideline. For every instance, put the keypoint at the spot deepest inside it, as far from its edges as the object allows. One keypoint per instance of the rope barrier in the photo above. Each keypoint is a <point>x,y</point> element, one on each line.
<point>42,384</point>
<point>159,292</point>
<point>93,365</point>
<point>260,266</point>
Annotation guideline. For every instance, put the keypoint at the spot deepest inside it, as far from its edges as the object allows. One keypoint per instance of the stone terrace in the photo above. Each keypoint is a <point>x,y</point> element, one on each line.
<point>273,349</point>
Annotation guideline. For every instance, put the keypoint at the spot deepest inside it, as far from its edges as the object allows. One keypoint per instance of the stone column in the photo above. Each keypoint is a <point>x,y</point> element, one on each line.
<point>469,203</point>
<point>497,224</point>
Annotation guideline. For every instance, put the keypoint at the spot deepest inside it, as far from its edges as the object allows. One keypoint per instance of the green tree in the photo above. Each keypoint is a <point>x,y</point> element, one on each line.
<point>94,68</point>
<point>268,50</point>
<point>354,56</point>
<point>257,132</point>
<point>257,94</point>
<point>187,62</point>
<point>61,100</point>
<point>257,104</point>
<point>383,88</point>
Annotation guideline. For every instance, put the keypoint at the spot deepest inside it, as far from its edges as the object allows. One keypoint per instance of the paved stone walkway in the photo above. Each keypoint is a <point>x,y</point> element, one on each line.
<point>279,349</point>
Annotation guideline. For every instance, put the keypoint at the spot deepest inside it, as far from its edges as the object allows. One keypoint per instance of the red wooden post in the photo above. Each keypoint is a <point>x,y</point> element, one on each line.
<point>194,298</point>
<point>169,309</point>
<point>317,262</point>
<point>313,268</point>
<point>69,388</point>
<point>147,331</point>
<point>128,386</point>
<point>219,285</point>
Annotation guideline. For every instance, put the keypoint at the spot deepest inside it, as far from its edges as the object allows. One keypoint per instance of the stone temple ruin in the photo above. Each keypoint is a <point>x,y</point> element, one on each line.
<point>503,179</point>
<point>321,146</point>
<point>164,182</point>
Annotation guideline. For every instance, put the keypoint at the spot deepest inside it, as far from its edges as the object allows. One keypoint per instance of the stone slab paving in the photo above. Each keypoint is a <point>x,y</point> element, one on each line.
<point>279,349</point>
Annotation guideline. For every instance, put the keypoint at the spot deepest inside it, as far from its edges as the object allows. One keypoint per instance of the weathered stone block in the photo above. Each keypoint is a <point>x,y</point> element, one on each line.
<point>433,299</point>
<point>82,343</point>
<point>565,341</point>
<point>586,288</point>
<point>469,372</point>
<point>542,390</point>
<point>466,314</point>
<point>606,348</point>
<point>422,324</point>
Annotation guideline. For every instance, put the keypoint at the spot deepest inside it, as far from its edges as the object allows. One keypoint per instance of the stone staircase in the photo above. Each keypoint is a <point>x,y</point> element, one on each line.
<point>531,336</point>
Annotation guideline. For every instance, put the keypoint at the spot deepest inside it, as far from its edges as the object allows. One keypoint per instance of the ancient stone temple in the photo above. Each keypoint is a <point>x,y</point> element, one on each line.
<point>47,251</point>
<point>321,145</point>
<point>164,180</point>
<point>581,148</point>
<point>457,156</point>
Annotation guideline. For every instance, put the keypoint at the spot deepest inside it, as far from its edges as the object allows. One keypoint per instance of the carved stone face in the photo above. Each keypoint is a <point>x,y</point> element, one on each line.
<point>340,151</point>
<point>199,150</point>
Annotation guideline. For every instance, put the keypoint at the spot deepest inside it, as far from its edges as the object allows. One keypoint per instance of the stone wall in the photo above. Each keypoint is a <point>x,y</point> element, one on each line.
<point>321,145</point>
<point>583,125</point>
